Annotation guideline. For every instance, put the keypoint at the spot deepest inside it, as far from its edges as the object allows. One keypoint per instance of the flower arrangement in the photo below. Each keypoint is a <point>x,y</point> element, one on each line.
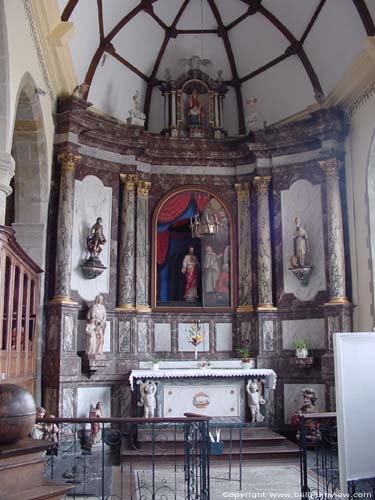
<point>196,336</point>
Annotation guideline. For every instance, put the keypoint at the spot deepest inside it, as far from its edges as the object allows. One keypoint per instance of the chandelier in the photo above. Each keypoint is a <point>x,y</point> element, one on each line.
<point>207,226</point>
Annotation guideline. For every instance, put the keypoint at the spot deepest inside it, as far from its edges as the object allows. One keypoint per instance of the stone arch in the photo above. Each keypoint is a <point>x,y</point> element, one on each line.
<point>31,181</point>
<point>371,221</point>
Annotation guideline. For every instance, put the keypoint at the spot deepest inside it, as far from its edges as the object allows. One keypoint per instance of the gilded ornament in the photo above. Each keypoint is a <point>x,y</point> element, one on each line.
<point>68,160</point>
<point>242,191</point>
<point>129,181</point>
<point>262,183</point>
<point>331,166</point>
<point>143,187</point>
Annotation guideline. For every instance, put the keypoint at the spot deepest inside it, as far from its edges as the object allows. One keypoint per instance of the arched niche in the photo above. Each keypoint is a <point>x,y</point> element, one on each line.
<point>189,272</point>
<point>31,179</point>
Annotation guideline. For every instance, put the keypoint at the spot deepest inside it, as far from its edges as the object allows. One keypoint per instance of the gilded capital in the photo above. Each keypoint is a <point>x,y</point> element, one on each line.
<point>242,191</point>
<point>68,160</point>
<point>331,166</point>
<point>143,187</point>
<point>261,183</point>
<point>129,181</point>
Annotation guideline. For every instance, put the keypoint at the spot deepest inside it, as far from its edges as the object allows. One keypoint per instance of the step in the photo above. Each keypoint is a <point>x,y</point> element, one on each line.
<point>260,436</point>
<point>48,491</point>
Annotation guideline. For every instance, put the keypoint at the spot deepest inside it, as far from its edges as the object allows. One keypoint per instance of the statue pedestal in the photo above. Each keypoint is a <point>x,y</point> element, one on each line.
<point>137,122</point>
<point>91,363</point>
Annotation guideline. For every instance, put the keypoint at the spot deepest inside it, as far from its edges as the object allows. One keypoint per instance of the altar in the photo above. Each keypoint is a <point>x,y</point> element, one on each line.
<point>218,392</point>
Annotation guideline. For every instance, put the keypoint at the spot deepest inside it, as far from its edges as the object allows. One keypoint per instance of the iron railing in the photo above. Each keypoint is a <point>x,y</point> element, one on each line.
<point>130,458</point>
<point>319,465</point>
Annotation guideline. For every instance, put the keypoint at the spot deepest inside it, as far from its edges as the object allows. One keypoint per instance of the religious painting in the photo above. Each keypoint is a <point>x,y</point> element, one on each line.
<point>195,105</point>
<point>193,256</point>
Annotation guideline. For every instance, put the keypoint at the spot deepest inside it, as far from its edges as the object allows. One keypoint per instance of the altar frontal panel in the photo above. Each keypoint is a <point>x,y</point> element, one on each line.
<point>204,399</point>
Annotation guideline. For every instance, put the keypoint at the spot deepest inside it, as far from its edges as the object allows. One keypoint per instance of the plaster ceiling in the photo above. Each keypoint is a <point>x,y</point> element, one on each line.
<point>287,53</point>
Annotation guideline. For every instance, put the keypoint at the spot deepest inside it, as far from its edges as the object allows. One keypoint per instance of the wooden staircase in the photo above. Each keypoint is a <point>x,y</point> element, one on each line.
<point>21,472</point>
<point>258,444</point>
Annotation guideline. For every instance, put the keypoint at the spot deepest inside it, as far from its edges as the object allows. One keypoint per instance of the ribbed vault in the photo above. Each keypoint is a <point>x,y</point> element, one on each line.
<point>248,39</point>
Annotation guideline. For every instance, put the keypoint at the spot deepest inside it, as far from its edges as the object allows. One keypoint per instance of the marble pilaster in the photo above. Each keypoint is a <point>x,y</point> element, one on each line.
<point>245,302</point>
<point>126,290</point>
<point>265,302</point>
<point>6,173</point>
<point>336,255</point>
<point>142,250</point>
<point>67,161</point>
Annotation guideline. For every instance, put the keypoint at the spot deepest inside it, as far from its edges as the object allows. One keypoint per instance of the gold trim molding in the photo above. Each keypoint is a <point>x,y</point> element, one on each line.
<point>68,160</point>
<point>63,300</point>
<point>245,309</point>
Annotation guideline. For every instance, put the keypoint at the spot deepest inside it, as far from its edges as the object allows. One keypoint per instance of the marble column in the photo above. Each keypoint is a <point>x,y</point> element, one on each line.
<point>6,174</point>
<point>166,110</point>
<point>265,302</point>
<point>126,282</point>
<point>245,302</point>
<point>216,108</point>
<point>173,110</point>
<point>336,255</point>
<point>142,260</point>
<point>67,161</point>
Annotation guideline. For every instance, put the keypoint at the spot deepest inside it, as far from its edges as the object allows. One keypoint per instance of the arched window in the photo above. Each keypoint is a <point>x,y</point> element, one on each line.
<point>192,241</point>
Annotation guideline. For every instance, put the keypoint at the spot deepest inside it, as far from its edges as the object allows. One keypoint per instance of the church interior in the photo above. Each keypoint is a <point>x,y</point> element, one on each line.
<point>185,183</point>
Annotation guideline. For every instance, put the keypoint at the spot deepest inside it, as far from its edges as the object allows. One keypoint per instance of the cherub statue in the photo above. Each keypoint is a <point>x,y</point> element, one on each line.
<point>254,401</point>
<point>81,90</point>
<point>96,239</point>
<point>147,399</point>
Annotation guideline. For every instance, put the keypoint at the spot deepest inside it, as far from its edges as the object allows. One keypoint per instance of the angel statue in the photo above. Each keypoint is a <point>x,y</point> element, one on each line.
<point>194,63</point>
<point>147,399</point>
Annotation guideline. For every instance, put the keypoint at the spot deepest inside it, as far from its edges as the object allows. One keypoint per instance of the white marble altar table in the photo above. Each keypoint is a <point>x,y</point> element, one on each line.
<point>269,375</point>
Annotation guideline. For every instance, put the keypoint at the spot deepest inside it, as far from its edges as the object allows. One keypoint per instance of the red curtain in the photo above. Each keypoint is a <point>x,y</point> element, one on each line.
<point>201,200</point>
<point>174,207</point>
<point>162,245</point>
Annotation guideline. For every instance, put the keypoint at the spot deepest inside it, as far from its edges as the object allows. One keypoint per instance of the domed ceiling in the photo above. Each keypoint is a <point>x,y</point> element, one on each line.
<point>287,53</point>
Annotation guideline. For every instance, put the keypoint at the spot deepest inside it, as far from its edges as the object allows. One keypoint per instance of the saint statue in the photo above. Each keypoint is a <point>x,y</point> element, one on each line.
<point>299,258</point>
<point>96,317</point>
<point>211,269</point>
<point>96,239</point>
<point>194,109</point>
<point>190,268</point>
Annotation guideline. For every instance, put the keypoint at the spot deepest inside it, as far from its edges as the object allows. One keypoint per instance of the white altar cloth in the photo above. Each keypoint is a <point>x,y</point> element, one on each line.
<point>266,373</point>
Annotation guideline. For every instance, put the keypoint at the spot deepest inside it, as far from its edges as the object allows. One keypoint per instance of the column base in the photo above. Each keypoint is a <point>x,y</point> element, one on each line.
<point>334,301</point>
<point>245,309</point>
<point>266,307</point>
<point>143,308</point>
<point>63,299</point>
<point>125,307</point>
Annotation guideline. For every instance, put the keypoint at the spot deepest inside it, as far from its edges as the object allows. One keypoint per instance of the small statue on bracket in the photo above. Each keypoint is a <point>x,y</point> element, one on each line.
<point>93,267</point>
<point>148,399</point>
<point>255,400</point>
<point>299,259</point>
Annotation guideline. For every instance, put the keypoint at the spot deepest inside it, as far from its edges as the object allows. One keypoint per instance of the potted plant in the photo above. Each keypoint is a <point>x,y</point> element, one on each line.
<point>300,347</point>
<point>244,352</point>
<point>155,362</point>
